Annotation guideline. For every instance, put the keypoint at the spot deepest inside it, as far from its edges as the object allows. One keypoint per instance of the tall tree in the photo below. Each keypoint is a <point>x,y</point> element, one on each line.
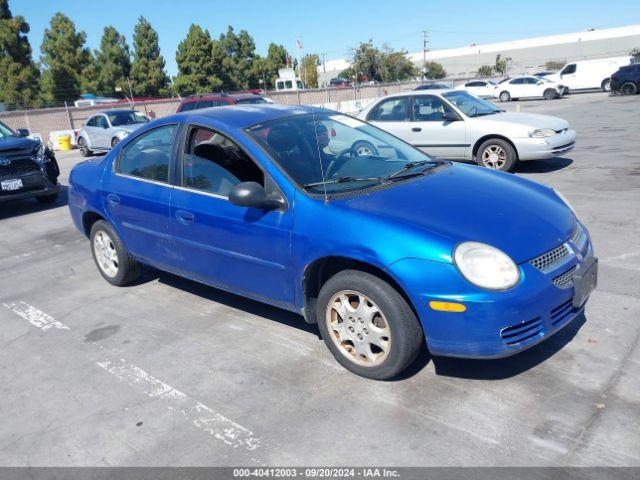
<point>266,68</point>
<point>66,61</point>
<point>195,63</point>
<point>309,70</point>
<point>396,66</point>
<point>113,62</point>
<point>233,56</point>
<point>18,72</point>
<point>148,77</point>
<point>435,71</point>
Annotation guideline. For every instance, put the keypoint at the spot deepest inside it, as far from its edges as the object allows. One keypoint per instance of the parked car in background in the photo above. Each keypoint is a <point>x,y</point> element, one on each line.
<point>626,80</point>
<point>528,86</point>
<point>479,88</point>
<point>104,130</point>
<point>432,86</point>
<point>589,73</point>
<point>27,167</point>
<point>208,100</point>
<point>457,125</point>
<point>339,82</point>
<point>386,253</point>
<point>544,73</point>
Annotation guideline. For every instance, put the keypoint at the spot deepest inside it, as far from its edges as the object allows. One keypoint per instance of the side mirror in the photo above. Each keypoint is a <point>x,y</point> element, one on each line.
<point>253,195</point>
<point>451,117</point>
<point>22,132</point>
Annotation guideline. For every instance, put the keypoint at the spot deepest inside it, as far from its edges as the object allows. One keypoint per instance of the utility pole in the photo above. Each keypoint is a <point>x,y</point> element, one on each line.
<point>324,69</point>
<point>425,49</point>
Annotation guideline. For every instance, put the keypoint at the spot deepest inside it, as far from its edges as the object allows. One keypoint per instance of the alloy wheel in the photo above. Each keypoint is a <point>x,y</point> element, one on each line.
<point>106,254</point>
<point>494,156</point>
<point>358,328</point>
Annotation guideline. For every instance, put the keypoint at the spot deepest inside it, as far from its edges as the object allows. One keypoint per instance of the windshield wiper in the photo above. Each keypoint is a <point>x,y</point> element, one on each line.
<point>343,180</point>
<point>409,166</point>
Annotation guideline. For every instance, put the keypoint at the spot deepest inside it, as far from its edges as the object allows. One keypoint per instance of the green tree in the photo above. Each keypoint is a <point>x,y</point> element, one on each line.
<point>502,64</point>
<point>367,62</point>
<point>396,66</point>
<point>195,63</point>
<point>18,73</point>
<point>435,71</point>
<point>485,71</point>
<point>66,61</point>
<point>233,57</point>
<point>309,70</point>
<point>148,77</point>
<point>113,62</point>
<point>266,68</point>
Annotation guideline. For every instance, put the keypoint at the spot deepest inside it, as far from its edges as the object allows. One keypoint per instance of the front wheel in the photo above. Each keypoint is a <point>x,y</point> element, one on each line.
<point>84,148</point>
<point>497,154</point>
<point>550,94</point>
<point>606,85</point>
<point>367,325</point>
<point>628,88</point>
<point>113,261</point>
<point>505,96</point>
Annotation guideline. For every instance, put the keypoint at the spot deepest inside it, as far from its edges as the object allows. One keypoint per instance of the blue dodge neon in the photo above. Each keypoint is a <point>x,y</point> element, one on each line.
<point>382,246</point>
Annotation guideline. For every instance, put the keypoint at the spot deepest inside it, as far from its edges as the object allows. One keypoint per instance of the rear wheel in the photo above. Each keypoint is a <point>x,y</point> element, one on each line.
<point>367,325</point>
<point>550,94</point>
<point>497,154</point>
<point>505,96</point>
<point>606,85</point>
<point>628,88</point>
<point>113,261</point>
<point>84,148</point>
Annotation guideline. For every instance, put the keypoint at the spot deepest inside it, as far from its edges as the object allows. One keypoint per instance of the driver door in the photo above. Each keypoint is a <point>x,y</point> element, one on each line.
<point>431,133</point>
<point>392,115</point>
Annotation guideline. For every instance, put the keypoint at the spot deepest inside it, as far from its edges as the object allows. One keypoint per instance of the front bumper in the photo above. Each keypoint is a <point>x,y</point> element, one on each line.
<point>496,324</point>
<point>529,148</point>
<point>35,184</point>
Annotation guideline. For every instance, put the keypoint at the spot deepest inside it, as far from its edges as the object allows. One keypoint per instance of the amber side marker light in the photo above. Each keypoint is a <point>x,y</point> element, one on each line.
<point>448,306</point>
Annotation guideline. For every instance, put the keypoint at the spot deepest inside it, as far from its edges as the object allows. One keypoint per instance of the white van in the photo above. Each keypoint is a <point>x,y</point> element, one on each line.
<point>287,81</point>
<point>589,73</point>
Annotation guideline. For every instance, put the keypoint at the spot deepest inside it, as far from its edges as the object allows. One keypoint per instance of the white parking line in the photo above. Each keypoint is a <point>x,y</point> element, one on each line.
<point>35,317</point>
<point>199,414</point>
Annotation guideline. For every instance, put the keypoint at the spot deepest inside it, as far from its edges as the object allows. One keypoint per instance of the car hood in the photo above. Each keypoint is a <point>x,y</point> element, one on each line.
<point>467,203</point>
<point>531,120</point>
<point>17,144</point>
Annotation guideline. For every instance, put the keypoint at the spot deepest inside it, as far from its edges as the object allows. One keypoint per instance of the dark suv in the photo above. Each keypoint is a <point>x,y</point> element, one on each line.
<point>27,167</point>
<point>196,102</point>
<point>626,80</point>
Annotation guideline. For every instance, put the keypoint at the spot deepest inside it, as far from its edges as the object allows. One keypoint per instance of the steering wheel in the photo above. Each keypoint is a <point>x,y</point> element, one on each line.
<point>338,161</point>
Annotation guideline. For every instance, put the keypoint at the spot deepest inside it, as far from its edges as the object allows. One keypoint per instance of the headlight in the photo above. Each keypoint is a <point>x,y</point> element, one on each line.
<point>41,154</point>
<point>542,132</point>
<point>486,266</point>
<point>564,199</point>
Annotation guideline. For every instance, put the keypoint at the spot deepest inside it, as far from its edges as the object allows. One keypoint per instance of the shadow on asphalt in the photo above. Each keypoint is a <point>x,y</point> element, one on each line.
<point>26,206</point>
<point>543,166</point>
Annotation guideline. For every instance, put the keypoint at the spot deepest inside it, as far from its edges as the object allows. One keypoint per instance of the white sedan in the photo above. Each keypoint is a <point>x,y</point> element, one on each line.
<point>528,87</point>
<point>479,88</point>
<point>457,125</point>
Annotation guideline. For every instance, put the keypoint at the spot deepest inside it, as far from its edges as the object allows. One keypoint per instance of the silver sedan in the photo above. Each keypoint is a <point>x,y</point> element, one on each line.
<point>457,125</point>
<point>105,130</point>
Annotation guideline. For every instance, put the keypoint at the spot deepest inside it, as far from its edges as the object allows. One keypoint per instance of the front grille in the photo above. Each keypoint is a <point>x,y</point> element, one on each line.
<point>566,279</point>
<point>522,331</point>
<point>562,130</point>
<point>561,312</point>
<point>550,258</point>
<point>18,167</point>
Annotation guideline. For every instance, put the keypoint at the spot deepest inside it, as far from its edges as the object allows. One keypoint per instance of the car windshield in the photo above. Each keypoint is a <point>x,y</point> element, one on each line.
<point>333,153</point>
<point>5,131</point>
<point>118,119</point>
<point>471,106</point>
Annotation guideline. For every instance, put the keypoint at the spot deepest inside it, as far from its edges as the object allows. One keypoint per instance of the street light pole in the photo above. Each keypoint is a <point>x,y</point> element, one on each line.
<point>425,48</point>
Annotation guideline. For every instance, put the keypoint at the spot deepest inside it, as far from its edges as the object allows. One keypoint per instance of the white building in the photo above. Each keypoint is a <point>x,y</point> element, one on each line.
<point>527,56</point>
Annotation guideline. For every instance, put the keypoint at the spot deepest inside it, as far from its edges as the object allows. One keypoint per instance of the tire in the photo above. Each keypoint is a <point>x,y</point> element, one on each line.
<point>47,199</point>
<point>84,149</point>
<point>550,94</point>
<point>505,96</point>
<point>117,267</point>
<point>606,85</point>
<point>394,320</point>
<point>628,88</point>
<point>362,147</point>
<point>114,142</point>
<point>506,155</point>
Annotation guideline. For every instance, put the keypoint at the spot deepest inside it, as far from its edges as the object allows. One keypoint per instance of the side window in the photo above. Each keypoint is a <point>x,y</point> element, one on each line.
<point>392,110</point>
<point>205,104</point>
<point>214,164</point>
<point>149,155</point>
<point>187,106</point>
<point>279,85</point>
<point>532,81</point>
<point>92,122</point>
<point>101,121</point>
<point>429,109</point>
<point>517,81</point>
<point>571,68</point>
<point>288,84</point>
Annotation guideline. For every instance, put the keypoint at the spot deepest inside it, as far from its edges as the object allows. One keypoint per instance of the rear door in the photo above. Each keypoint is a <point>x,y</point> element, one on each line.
<point>136,193</point>
<point>431,133</point>
<point>392,115</point>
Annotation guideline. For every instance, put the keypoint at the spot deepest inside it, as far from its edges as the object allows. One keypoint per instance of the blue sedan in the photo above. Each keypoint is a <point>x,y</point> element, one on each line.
<point>384,247</point>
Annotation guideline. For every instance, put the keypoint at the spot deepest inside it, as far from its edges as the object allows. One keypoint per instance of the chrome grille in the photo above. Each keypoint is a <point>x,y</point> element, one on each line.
<point>18,167</point>
<point>550,258</point>
<point>566,279</point>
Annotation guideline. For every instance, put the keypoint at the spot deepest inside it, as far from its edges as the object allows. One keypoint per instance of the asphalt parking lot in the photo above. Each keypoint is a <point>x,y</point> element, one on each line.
<point>169,372</point>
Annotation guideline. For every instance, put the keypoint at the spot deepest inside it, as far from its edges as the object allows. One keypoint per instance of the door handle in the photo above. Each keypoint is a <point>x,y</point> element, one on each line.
<point>113,199</point>
<point>184,217</point>
<point>416,129</point>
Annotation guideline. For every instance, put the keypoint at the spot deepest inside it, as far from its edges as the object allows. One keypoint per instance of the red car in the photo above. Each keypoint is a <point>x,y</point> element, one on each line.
<point>195,102</point>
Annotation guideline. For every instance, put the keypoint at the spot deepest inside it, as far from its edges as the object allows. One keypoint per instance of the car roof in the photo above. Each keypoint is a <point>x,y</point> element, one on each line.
<point>116,110</point>
<point>243,116</point>
<point>413,93</point>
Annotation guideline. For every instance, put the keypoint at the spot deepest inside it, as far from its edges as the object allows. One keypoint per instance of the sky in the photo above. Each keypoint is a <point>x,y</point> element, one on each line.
<point>333,26</point>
